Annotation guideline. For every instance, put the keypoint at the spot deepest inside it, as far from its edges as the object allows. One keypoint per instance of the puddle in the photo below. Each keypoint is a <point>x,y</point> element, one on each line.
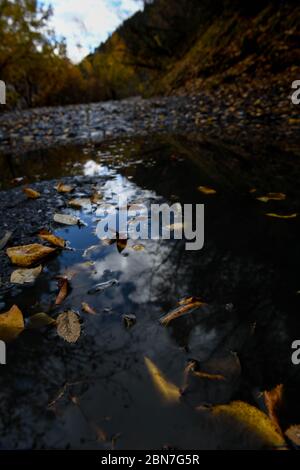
<point>100,390</point>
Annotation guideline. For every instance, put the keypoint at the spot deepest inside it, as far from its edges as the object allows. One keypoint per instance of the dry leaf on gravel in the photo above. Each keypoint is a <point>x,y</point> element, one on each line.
<point>24,276</point>
<point>28,255</point>
<point>11,324</point>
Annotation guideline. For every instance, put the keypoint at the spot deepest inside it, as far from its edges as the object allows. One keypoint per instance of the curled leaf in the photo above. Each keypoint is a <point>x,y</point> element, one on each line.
<point>24,276</point>
<point>293,434</point>
<point>52,239</point>
<point>28,255</point>
<point>281,216</point>
<point>129,320</point>
<point>169,392</point>
<point>274,404</point>
<point>272,197</point>
<point>11,324</point>
<point>183,309</point>
<point>31,193</point>
<point>64,188</point>
<point>87,309</point>
<point>68,326</point>
<point>206,190</point>
<point>63,285</point>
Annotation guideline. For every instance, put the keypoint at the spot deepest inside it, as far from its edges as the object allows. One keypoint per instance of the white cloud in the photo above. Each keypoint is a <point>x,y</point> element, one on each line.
<point>88,22</point>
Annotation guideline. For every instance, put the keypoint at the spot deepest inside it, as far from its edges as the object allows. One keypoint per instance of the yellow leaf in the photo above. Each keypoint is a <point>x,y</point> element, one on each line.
<point>138,247</point>
<point>280,216</point>
<point>248,418</point>
<point>11,324</point>
<point>24,276</point>
<point>169,392</point>
<point>183,309</point>
<point>206,190</point>
<point>28,255</point>
<point>87,309</point>
<point>31,193</point>
<point>64,188</point>
<point>272,197</point>
<point>68,326</point>
<point>52,239</point>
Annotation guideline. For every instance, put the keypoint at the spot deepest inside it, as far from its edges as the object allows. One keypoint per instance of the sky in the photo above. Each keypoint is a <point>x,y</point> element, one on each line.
<point>86,23</point>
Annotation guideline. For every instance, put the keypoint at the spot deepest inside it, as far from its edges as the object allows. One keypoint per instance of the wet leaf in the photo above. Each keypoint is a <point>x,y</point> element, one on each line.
<point>80,203</point>
<point>281,216</point>
<point>274,403</point>
<point>138,247</point>
<point>31,193</point>
<point>11,324</point>
<point>206,190</point>
<point>121,243</point>
<point>63,285</point>
<point>252,190</point>
<point>293,434</point>
<point>183,309</point>
<point>272,197</point>
<point>129,320</point>
<point>65,219</point>
<point>40,320</point>
<point>64,188</point>
<point>5,240</point>
<point>96,197</point>
<point>24,276</point>
<point>28,255</point>
<point>174,227</point>
<point>52,239</point>
<point>168,391</point>
<point>68,326</point>
<point>88,309</point>
<point>244,417</point>
<point>88,250</point>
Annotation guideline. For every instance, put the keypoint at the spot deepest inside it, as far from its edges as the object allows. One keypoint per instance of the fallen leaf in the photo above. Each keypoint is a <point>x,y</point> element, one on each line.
<point>24,276</point>
<point>79,203</point>
<point>68,326</point>
<point>65,219</point>
<point>206,190</point>
<point>87,309</point>
<point>31,193</point>
<point>138,247</point>
<point>64,188</point>
<point>52,239</point>
<point>11,324</point>
<point>39,320</point>
<point>63,285</point>
<point>244,417</point>
<point>279,216</point>
<point>28,255</point>
<point>252,190</point>
<point>272,197</point>
<point>121,243</point>
<point>293,434</point>
<point>274,404</point>
<point>103,286</point>
<point>96,197</point>
<point>169,392</point>
<point>184,309</point>
<point>5,240</point>
<point>174,227</point>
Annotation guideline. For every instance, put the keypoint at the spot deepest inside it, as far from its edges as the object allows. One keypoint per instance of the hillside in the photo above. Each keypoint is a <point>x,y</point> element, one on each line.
<point>173,47</point>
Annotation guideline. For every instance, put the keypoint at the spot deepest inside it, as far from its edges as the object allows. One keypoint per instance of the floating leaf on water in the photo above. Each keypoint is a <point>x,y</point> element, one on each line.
<point>121,245</point>
<point>64,188</point>
<point>68,326</point>
<point>169,391</point>
<point>80,203</point>
<point>28,255</point>
<point>66,219</point>
<point>189,300</point>
<point>5,240</point>
<point>272,197</point>
<point>24,276</point>
<point>293,434</point>
<point>281,216</point>
<point>96,197</point>
<point>11,324</point>
<point>174,227</point>
<point>252,190</point>
<point>184,309</point>
<point>103,286</point>
<point>88,309</point>
<point>63,285</point>
<point>31,193</point>
<point>206,190</point>
<point>39,320</point>
<point>243,417</point>
<point>129,320</point>
<point>52,239</point>
<point>88,250</point>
